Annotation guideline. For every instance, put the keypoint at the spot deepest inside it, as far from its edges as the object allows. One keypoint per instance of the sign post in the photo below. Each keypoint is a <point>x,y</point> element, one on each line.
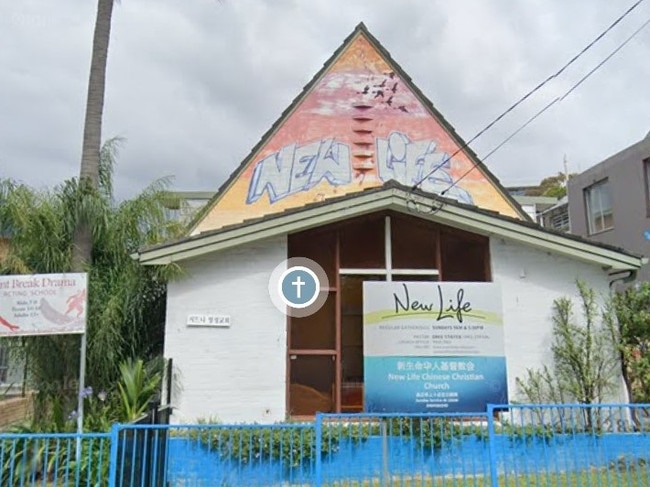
<point>433,347</point>
<point>47,304</point>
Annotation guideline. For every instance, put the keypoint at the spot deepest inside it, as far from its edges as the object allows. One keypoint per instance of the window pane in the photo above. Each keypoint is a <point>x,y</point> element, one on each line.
<point>362,244</point>
<point>317,246</point>
<point>464,258</point>
<point>316,331</point>
<point>599,207</point>
<point>417,277</point>
<point>413,245</point>
<point>352,341</point>
<point>646,175</point>
<point>311,385</point>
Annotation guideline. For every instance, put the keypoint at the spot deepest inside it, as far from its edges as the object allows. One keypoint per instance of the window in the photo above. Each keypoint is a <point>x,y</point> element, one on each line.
<point>598,201</point>
<point>646,177</point>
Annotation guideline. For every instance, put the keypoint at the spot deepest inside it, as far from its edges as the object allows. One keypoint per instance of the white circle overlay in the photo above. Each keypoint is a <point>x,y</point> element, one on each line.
<point>275,287</point>
<point>313,275</point>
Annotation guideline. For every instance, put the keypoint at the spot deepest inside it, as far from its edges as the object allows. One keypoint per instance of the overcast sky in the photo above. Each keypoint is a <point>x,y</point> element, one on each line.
<point>192,85</point>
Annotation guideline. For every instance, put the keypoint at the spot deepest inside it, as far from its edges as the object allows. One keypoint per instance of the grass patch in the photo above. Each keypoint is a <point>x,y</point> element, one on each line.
<point>606,478</point>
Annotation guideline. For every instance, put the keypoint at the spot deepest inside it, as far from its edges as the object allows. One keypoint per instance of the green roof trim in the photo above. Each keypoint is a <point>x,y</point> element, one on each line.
<point>395,197</point>
<point>360,29</point>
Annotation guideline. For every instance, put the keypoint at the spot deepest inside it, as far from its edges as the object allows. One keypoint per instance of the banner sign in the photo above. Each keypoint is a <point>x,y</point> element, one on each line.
<point>43,304</point>
<point>433,347</point>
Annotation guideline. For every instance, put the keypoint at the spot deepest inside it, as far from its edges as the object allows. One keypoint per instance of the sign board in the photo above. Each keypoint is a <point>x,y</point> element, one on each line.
<point>214,320</point>
<point>43,304</point>
<point>433,347</point>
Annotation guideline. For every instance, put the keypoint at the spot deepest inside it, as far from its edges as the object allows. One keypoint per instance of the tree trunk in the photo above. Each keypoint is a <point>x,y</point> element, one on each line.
<point>92,136</point>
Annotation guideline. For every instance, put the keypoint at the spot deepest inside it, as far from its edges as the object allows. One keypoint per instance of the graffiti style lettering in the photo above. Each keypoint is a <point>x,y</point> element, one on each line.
<point>295,169</point>
<point>409,162</point>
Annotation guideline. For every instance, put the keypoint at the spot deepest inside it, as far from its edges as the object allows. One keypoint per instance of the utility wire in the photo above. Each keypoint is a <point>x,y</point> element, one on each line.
<point>549,105</point>
<point>530,93</point>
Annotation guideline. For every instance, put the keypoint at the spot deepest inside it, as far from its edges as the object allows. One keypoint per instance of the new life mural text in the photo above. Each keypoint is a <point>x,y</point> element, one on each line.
<point>296,169</point>
<point>433,347</point>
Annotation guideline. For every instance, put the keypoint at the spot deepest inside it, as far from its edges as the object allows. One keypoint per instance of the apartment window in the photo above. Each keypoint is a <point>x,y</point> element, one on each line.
<point>646,177</point>
<point>560,221</point>
<point>600,216</point>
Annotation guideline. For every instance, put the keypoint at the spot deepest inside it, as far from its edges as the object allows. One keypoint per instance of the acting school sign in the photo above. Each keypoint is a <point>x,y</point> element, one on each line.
<point>43,304</point>
<point>433,347</point>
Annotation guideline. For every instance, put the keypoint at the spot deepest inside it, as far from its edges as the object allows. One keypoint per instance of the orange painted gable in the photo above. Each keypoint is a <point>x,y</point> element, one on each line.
<point>360,124</point>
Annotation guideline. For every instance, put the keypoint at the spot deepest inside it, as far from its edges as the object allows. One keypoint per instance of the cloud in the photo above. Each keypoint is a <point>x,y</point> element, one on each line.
<point>193,86</point>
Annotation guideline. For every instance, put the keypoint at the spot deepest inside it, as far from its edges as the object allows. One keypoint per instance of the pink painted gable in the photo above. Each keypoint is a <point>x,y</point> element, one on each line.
<point>359,126</point>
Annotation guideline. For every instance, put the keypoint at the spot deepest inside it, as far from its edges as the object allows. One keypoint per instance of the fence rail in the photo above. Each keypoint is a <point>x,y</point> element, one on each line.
<point>508,445</point>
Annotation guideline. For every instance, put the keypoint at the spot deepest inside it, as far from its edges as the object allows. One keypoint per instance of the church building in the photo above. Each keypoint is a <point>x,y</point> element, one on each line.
<point>436,289</point>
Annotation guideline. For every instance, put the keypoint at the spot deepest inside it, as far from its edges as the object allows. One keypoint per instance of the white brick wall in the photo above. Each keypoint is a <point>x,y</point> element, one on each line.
<point>232,374</point>
<point>530,281</point>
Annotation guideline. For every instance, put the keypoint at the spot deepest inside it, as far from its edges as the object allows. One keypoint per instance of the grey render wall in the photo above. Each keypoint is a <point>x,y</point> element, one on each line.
<point>627,187</point>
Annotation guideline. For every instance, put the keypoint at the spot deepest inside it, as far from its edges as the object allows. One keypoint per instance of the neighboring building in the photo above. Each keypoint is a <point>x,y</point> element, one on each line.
<point>535,206</point>
<point>610,202</point>
<point>333,181</point>
<point>556,217</point>
<point>185,204</point>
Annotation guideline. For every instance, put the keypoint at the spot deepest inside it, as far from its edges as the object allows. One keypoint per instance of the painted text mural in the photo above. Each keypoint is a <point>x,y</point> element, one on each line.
<point>359,126</point>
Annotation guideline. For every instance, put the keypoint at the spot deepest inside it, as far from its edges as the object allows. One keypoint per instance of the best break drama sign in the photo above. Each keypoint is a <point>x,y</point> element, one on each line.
<point>43,304</point>
<point>433,347</point>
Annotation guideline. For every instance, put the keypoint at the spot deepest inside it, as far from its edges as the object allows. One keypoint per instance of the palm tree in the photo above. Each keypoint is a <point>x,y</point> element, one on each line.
<point>92,135</point>
<point>126,301</point>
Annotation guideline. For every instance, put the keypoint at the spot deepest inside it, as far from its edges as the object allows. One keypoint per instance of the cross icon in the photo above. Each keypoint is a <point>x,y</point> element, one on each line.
<point>299,287</point>
<point>298,283</point>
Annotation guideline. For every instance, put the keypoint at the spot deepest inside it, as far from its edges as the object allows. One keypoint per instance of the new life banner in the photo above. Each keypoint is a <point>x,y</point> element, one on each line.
<point>43,304</point>
<point>433,347</point>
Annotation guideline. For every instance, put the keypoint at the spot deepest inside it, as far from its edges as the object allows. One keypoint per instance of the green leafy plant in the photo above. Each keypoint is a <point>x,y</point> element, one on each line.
<point>28,460</point>
<point>585,359</point>
<point>138,386</point>
<point>126,301</point>
<point>632,308</point>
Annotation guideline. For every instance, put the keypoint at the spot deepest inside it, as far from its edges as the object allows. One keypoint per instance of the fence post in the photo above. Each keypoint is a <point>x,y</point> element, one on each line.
<point>112,466</point>
<point>318,465</point>
<point>494,476</point>
<point>385,474</point>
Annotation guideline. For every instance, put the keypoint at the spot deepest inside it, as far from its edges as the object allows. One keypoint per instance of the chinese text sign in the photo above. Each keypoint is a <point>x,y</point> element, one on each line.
<point>433,347</point>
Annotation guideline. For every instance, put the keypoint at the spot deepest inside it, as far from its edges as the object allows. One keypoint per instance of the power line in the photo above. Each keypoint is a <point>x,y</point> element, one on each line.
<point>530,93</point>
<point>549,105</point>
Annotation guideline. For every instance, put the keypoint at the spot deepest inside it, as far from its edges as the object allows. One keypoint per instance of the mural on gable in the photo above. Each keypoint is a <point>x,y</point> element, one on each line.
<point>358,127</point>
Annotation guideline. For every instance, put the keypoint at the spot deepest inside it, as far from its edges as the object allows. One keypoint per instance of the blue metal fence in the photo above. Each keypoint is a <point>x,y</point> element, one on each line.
<point>54,459</point>
<point>509,445</point>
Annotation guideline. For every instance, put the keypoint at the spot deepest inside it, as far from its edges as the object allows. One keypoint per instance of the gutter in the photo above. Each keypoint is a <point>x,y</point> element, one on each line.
<point>626,277</point>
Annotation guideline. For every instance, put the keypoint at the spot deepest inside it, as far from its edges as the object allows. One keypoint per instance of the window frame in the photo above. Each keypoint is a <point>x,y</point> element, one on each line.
<point>387,271</point>
<point>646,182</point>
<point>592,228</point>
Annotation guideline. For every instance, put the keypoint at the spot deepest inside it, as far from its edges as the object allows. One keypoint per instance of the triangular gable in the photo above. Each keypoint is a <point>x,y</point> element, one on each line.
<point>359,123</point>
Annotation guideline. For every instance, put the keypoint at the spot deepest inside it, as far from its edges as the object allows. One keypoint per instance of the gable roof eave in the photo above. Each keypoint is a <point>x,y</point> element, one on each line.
<point>390,197</point>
